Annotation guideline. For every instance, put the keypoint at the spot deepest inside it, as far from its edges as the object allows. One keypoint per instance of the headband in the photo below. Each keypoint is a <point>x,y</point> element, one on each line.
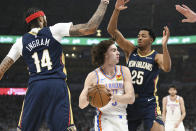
<point>33,16</point>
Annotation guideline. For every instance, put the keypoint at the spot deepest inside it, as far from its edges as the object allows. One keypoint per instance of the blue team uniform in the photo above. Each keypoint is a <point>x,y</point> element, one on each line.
<point>47,97</point>
<point>145,75</point>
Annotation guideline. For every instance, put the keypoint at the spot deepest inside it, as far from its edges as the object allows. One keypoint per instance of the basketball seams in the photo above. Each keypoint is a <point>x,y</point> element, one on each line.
<point>100,96</point>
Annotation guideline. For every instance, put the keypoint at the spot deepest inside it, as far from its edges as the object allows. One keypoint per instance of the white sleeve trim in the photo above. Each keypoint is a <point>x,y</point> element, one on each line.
<point>60,30</point>
<point>16,50</point>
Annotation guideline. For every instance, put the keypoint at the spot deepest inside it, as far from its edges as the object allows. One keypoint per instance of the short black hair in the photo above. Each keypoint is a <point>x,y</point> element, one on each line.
<point>34,22</point>
<point>172,86</point>
<point>151,32</point>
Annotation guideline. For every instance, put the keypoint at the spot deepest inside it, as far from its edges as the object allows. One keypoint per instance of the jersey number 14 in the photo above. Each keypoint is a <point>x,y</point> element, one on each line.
<point>45,61</point>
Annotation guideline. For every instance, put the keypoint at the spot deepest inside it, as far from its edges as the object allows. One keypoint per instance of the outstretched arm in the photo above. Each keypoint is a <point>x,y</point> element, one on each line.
<point>93,23</point>
<point>187,12</point>
<point>164,60</point>
<point>124,44</point>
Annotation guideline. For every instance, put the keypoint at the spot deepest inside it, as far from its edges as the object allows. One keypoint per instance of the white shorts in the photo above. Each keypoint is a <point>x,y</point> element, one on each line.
<point>169,126</point>
<point>111,123</point>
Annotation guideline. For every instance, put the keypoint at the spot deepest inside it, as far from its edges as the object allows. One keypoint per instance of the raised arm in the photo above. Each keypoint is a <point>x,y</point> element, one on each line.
<point>164,103</point>
<point>129,96</point>
<point>89,83</point>
<point>164,60</point>
<point>93,23</point>
<point>187,12</point>
<point>124,44</point>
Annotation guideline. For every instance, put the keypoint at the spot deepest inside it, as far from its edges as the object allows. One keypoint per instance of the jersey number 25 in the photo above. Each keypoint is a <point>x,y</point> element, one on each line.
<point>137,77</point>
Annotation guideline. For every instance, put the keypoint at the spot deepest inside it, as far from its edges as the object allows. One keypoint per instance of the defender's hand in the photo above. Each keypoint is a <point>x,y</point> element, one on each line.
<point>166,35</point>
<point>187,12</point>
<point>120,4</point>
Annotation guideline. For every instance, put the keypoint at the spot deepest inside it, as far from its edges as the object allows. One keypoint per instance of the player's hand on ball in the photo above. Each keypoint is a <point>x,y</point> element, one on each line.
<point>98,96</point>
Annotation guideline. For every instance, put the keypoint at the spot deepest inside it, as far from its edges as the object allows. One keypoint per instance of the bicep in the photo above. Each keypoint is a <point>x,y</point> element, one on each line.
<point>127,81</point>
<point>81,30</point>
<point>164,101</point>
<point>182,105</point>
<point>60,30</point>
<point>159,60</point>
<point>16,50</point>
<point>90,81</point>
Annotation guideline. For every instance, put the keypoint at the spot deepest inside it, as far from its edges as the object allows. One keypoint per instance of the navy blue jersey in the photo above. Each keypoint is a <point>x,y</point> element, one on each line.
<point>42,53</point>
<point>145,72</point>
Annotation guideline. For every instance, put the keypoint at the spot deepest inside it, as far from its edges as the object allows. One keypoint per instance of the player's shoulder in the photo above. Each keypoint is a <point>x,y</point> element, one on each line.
<point>93,74</point>
<point>124,68</point>
<point>180,97</point>
<point>165,98</point>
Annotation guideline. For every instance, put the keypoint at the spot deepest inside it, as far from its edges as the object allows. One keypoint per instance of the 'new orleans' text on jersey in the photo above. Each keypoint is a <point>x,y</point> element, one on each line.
<point>144,71</point>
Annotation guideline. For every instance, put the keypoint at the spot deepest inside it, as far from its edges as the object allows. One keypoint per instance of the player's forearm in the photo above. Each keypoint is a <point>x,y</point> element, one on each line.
<point>91,26</point>
<point>166,59</point>
<point>182,117</point>
<point>112,26</point>
<point>96,19</point>
<point>163,116</point>
<point>5,65</point>
<point>83,100</point>
<point>124,99</point>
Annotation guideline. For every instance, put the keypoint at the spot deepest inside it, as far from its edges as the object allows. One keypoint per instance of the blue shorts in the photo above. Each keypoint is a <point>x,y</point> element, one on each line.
<point>144,110</point>
<point>47,100</point>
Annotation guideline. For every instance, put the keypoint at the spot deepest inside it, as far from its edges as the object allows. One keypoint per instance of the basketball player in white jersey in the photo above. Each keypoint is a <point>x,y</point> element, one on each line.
<point>116,78</point>
<point>173,111</point>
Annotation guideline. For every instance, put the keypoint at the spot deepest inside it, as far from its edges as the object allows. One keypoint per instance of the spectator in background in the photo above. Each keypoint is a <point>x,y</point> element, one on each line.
<point>173,111</point>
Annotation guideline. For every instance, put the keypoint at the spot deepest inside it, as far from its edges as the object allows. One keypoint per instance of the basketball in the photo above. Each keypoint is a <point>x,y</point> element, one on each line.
<point>98,96</point>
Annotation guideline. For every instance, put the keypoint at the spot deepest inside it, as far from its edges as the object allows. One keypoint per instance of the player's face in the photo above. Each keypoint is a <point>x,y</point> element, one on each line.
<point>112,55</point>
<point>172,91</point>
<point>144,39</point>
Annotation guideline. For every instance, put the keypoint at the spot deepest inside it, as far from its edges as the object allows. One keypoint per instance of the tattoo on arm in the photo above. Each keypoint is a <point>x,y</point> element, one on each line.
<point>6,64</point>
<point>93,23</point>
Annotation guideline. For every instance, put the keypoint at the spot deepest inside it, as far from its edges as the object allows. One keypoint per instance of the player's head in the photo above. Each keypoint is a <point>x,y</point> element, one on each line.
<point>172,90</point>
<point>35,18</point>
<point>145,37</point>
<point>105,51</point>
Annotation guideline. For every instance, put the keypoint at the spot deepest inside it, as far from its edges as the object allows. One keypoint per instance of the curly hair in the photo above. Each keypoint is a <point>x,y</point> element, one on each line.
<point>98,52</point>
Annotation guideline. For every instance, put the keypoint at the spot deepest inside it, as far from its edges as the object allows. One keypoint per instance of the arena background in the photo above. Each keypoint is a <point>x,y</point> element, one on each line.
<point>153,13</point>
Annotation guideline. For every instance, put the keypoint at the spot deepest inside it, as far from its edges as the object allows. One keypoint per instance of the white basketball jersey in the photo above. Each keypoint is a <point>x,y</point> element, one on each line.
<point>114,83</point>
<point>173,109</point>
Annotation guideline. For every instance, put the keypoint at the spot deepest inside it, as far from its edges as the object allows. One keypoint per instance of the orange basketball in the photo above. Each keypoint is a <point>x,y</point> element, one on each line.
<point>98,96</point>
